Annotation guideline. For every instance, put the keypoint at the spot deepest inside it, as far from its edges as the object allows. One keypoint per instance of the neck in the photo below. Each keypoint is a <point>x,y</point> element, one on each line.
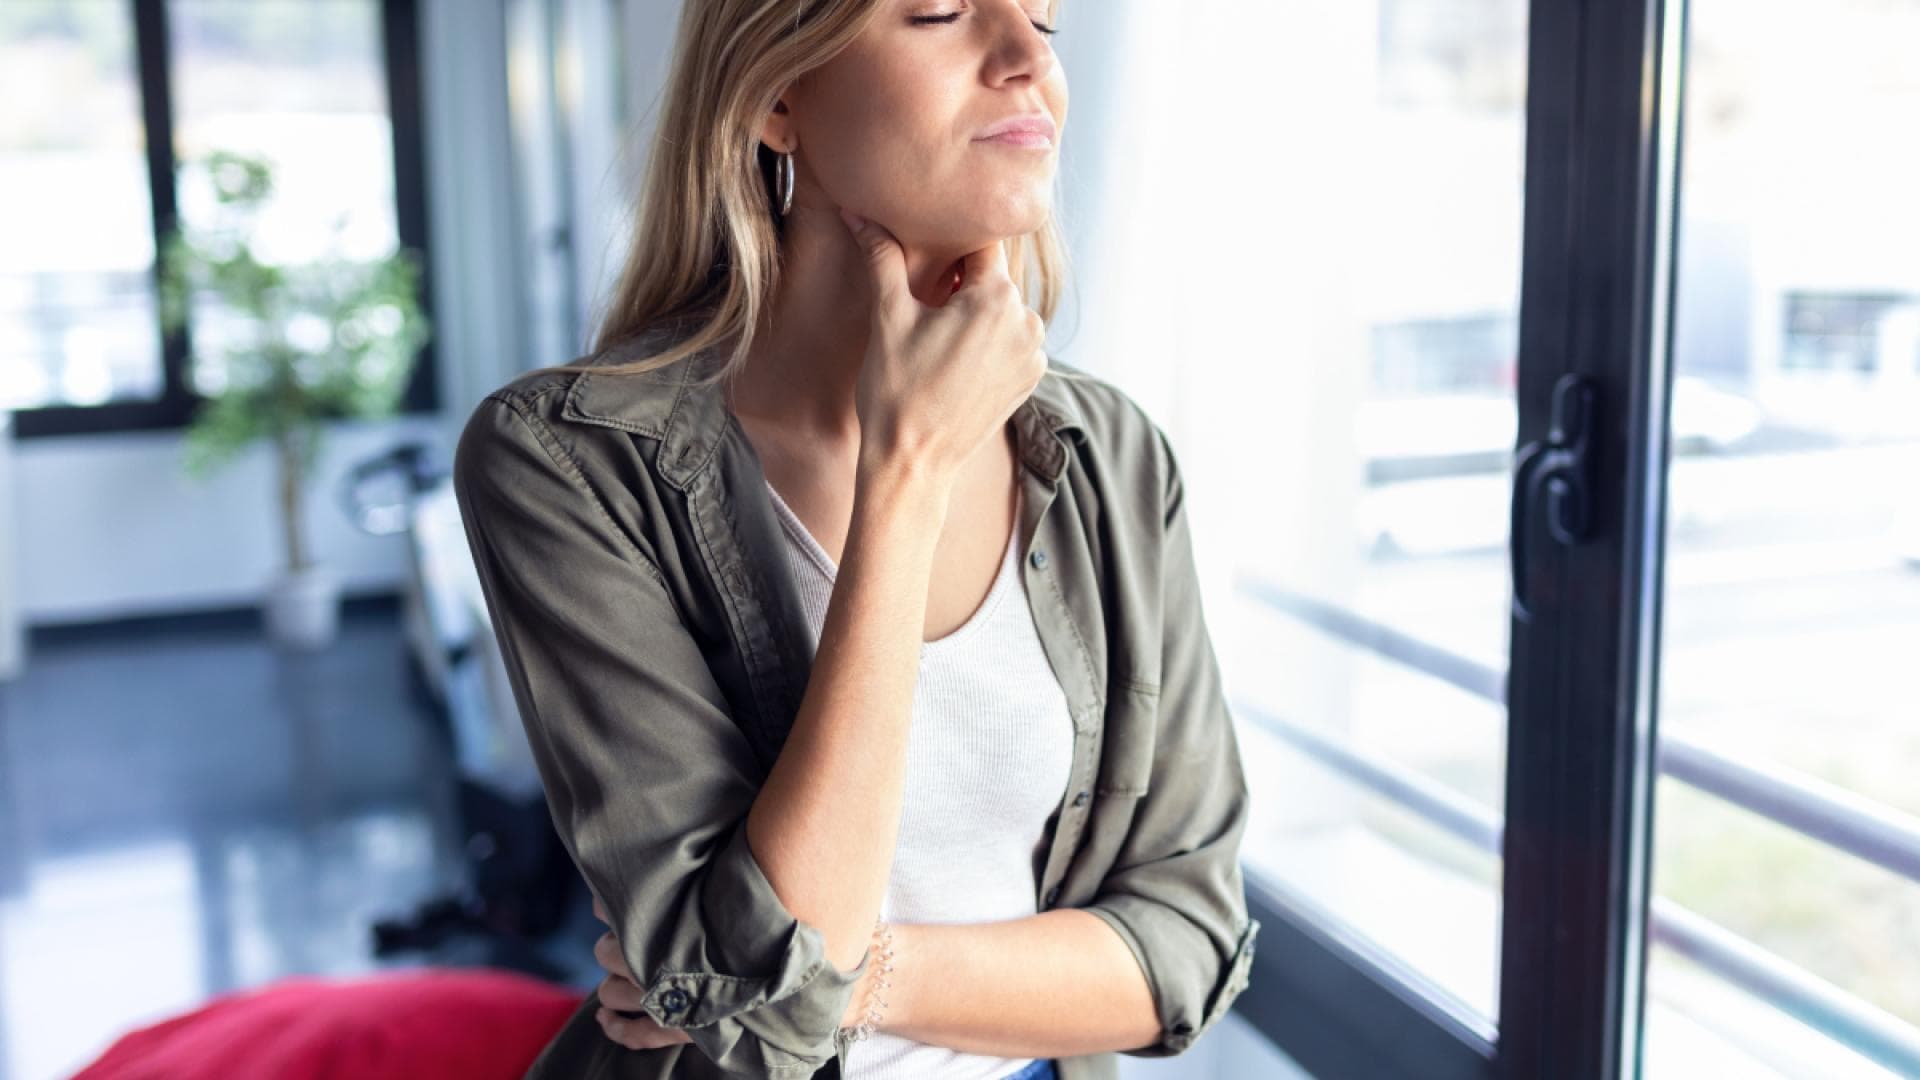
<point>806,357</point>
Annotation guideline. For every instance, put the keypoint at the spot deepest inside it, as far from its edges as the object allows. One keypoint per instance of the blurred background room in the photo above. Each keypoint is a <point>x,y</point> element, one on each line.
<point>1572,632</point>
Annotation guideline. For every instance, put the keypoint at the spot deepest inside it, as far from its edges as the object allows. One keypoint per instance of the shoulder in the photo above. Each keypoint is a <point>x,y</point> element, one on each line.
<point>512,420</point>
<point>627,384</point>
<point>1107,426</point>
<point>588,405</point>
<point>534,391</point>
<point>524,430</point>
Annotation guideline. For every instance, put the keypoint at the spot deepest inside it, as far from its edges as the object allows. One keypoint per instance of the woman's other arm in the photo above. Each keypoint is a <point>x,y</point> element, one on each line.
<point>936,384</point>
<point>824,825</point>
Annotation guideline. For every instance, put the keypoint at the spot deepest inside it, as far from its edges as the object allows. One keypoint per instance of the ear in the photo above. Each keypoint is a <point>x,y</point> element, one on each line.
<point>776,131</point>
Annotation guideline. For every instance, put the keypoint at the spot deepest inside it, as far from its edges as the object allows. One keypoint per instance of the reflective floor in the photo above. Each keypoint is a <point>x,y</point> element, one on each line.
<point>185,811</point>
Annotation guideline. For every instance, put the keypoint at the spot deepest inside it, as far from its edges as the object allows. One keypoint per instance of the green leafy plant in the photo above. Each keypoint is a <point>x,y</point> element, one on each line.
<point>297,345</point>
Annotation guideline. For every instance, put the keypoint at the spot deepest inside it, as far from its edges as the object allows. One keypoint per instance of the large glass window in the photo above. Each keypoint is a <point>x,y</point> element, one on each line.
<point>309,85</point>
<point>1785,927</point>
<point>1325,317</point>
<point>77,302</point>
<point>301,85</point>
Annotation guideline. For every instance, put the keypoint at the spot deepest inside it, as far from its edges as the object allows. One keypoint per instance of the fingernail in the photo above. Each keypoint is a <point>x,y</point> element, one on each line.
<point>854,221</point>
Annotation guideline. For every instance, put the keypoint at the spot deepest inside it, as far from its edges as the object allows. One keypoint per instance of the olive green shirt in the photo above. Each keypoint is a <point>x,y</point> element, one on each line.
<point>630,557</point>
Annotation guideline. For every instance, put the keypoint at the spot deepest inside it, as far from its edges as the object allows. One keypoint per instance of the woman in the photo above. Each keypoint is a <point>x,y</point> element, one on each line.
<point>858,642</point>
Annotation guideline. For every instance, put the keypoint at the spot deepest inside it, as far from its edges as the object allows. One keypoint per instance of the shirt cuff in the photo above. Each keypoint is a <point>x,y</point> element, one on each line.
<point>1192,988</point>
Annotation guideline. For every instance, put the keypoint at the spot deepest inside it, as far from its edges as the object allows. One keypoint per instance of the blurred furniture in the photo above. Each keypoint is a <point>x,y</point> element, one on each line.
<point>411,1025</point>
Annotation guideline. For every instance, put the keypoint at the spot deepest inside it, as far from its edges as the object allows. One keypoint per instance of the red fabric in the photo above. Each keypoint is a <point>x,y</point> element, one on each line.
<point>470,1024</point>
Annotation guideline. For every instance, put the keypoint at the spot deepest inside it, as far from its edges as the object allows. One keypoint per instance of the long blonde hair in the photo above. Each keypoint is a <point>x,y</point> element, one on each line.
<point>705,251</point>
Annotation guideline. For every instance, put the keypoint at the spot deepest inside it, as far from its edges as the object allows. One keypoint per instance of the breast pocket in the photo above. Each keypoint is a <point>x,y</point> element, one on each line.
<point>1126,756</point>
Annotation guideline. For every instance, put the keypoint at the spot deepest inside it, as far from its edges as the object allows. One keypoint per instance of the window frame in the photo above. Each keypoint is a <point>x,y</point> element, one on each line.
<point>174,409</point>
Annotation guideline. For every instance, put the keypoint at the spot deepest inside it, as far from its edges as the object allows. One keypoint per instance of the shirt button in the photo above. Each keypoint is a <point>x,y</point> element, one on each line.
<point>1038,559</point>
<point>1080,799</point>
<point>674,999</point>
<point>1053,894</point>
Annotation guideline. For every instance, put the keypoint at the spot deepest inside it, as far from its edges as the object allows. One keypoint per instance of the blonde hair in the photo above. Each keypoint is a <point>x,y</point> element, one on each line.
<point>705,250</point>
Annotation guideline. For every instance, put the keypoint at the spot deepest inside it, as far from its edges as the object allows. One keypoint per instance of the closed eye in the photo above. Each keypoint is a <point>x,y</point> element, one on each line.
<point>943,20</point>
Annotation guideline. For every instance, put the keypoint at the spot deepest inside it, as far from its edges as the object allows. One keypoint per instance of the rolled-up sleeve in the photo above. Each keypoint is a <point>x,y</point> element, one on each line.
<point>647,776</point>
<point>1175,894</point>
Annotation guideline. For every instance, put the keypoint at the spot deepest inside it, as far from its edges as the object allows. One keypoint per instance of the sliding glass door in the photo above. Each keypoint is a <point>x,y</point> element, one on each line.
<point>1367,629</point>
<point>1784,935</point>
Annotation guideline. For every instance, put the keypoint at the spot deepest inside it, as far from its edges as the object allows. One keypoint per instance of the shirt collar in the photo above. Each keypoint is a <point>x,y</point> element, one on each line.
<point>691,419</point>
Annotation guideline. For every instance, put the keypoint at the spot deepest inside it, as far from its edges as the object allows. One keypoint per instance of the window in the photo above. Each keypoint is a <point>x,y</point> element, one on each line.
<point>326,89</point>
<point>1837,332</point>
<point>77,310</point>
<point>1783,929</point>
<point>1468,354</point>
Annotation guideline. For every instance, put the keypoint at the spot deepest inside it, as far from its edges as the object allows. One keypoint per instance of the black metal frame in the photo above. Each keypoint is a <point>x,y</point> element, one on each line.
<point>1600,155</point>
<point>175,407</point>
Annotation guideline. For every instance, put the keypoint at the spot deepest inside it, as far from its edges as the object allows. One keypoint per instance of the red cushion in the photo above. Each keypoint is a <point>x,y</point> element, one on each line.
<point>473,1024</point>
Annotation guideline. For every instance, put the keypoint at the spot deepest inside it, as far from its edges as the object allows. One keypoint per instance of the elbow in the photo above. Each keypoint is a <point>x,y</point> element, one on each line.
<point>794,1034</point>
<point>1194,970</point>
<point>721,958</point>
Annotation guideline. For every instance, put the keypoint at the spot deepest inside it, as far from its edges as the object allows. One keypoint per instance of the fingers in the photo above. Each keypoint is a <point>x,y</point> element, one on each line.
<point>886,263</point>
<point>637,1034</point>
<point>606,953</point>
<point>987,264</point>
<point>621,995</point>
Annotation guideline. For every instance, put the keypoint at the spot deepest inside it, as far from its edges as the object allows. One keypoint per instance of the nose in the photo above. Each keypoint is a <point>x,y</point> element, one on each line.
<point>1018,49</point>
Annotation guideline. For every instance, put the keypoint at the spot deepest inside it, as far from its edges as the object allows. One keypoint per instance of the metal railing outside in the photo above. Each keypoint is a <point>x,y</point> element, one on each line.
<point>1870,831</point>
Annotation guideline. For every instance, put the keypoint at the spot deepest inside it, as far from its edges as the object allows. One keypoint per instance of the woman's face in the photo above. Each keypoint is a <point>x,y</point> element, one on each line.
<point>891,128</point>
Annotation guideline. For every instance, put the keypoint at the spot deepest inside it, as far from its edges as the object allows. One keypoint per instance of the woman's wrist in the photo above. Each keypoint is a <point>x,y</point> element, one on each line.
<point>903,505</point>
<point>895,1014</point>
<point>871,1012</point>
<point>902,477</point>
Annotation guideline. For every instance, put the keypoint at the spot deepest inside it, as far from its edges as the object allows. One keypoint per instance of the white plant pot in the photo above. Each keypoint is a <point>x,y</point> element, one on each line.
<point>302,608</point>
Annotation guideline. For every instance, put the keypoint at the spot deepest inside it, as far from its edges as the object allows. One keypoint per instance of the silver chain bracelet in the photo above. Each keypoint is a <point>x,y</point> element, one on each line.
<point>868,1025</point>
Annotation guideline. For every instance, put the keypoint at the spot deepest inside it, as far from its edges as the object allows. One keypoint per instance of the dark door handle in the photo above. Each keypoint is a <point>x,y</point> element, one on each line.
<point>1562,466</point>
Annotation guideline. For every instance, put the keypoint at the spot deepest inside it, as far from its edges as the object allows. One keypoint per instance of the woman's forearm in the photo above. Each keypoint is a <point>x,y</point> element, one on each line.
<point>824,825</point>
<point>1057,984</point>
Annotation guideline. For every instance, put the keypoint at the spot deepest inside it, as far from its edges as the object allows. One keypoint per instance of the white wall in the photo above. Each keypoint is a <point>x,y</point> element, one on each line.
<point>110,526</point>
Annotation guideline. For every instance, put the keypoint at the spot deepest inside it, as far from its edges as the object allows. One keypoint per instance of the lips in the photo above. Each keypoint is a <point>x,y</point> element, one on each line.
<point>1027,124</point>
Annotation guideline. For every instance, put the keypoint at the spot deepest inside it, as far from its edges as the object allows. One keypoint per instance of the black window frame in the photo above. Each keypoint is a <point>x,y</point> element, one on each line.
<point>177,403</point>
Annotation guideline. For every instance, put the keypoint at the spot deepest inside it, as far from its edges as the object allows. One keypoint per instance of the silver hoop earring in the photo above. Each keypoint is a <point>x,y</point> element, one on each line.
<point>783,181</point>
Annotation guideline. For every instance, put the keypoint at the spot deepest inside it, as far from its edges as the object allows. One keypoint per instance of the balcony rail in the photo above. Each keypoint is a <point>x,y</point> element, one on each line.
<point>1876,833</point>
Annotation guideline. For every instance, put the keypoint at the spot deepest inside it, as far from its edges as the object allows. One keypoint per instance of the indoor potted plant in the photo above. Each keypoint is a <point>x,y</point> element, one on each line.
<point>297,344</point>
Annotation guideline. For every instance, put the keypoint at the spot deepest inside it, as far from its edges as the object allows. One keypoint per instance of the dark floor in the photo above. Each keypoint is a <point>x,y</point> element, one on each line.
<point>185,811</point>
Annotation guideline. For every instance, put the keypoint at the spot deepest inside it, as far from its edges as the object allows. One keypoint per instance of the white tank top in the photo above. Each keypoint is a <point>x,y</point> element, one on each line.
<point>988,757</point>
